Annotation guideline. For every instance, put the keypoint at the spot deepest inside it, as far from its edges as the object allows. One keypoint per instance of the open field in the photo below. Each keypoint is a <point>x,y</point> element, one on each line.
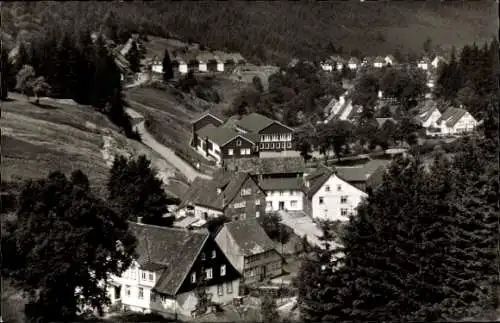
<point>38,139</point>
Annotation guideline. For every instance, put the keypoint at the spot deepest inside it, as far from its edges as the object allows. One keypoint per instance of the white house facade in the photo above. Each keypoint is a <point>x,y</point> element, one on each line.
<point>456,121</point>
<point>183,67</point>
<point>220,66</point>
<point>332,198</point>
<point>157,68</point>
<point>284,199</point>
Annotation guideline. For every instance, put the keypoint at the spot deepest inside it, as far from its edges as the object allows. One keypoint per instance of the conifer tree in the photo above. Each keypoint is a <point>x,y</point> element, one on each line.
<point>134,57</point>
<point>168,72</point>
<point>5,73</point>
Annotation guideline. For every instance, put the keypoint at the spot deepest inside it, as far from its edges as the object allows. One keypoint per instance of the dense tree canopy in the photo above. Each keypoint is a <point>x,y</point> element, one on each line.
<point>63,245</point>
<point>135,191</point>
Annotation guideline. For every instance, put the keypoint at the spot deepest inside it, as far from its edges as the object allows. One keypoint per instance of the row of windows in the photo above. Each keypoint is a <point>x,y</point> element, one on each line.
<point>140,292</point>
<point>209,274</point>
<point>281,193</point>
<point>229,288</point>
<point>243,151</point>
<point>277,137</point>
<point>132,274</point>
<point>257,257</point>
<point>242,204</point>
<point>343,199</point>
<point>276,145</point>
<point>327,188</point>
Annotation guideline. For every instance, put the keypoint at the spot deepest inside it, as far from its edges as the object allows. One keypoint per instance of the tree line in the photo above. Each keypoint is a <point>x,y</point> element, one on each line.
<point>471,79</point>
<point>71,66</point>
<point>273,37</point>
<point>422,247</point>
<point>64,241</point>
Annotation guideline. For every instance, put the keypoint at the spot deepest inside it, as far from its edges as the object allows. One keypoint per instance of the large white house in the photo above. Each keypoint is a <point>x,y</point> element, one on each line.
<point>166,275</point>
<point>283,193</point>
<point>456,121</point>
<point>428,115</point>
<point>330,197</point>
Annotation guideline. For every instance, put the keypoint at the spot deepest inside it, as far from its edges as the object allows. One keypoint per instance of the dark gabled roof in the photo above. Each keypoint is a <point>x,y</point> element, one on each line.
<point>219,135</point>
<point>249,236</point>
<point>170,251</point>
<point>353,60</point>
<point>216,115</point>
<point>267,166</point>
<point>451,116</point>
<point>254,122</point>
<point>318,178</point>
<point>361,173</point>
<point>379,59</point>
<point>203,192</point>
<point>280,184</point>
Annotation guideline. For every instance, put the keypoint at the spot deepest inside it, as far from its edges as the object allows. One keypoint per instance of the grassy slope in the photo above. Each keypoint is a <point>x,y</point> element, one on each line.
<point>36,140</point>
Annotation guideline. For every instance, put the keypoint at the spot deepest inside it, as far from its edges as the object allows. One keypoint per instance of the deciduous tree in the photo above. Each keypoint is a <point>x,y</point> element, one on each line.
<point>24,80</point>
<point>63,246</point>
<point>40,87</point>
<point>135,191</point>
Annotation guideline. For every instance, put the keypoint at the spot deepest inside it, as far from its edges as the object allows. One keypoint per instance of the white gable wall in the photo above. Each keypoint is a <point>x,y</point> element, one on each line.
<point>466,124</point>
<point>331,208</point>
<point>230,249</point>
<point>431,121</point>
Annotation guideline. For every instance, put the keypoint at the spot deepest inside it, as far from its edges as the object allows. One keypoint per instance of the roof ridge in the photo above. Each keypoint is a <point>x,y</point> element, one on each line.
<point>169,228</point>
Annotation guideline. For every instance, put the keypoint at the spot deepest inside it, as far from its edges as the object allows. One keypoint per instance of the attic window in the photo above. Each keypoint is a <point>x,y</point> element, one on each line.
<point>327,188</point>
<point>339,187</point>
<point>238,142</point>
<point>193,277</point>
<point>214,254</point>
<point>202,256</point>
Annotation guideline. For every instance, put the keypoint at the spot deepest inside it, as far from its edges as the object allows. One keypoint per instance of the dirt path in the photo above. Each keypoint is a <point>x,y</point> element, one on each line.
<point>167,153</point>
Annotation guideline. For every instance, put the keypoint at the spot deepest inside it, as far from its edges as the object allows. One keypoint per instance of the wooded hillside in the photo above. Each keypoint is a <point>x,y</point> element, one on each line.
<point>270,31</point>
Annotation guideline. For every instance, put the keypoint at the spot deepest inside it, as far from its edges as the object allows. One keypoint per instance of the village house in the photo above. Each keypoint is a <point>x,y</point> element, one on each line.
<point>353,63</point>
<point>456,121</point>
<point>428,115</point>
<point>171,266</point>
<point>389,60</point>
<point>437,61</point>
<point>424,63</point>
<point>281,178</point>
<point>156,66</point>
<point>327,65</point>
<point>334,193</point>
<point>341,109</point>
<point>272,135</point>
<point>250,251</point>
<point>233,194</point>
<point>329,197</point>
<point>378,62</point>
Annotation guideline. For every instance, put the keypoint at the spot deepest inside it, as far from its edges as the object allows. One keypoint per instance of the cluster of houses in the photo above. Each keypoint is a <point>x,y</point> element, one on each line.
<point>173,264</point>
<point>221,139</point>
<point>338,63</point>
<point>453,121</point>
<point>199,62</point>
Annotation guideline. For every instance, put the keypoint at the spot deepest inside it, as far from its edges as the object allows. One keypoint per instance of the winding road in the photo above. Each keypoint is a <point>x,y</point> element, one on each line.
<point>168,154</point>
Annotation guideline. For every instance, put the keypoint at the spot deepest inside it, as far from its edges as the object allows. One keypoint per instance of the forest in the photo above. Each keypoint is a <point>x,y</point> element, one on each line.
<point>269,32</point>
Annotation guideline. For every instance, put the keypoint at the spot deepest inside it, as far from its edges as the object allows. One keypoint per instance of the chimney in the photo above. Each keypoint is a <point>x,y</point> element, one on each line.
<point>139,219</point>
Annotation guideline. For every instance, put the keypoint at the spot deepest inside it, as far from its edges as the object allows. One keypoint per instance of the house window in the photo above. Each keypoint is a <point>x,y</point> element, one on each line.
<point>261,145</point>
<point>239,205</point>
<point>163,298</point>
<point>327,188</point>
<point>223,270</point>
<point>293,204</point>
<point>278,145</point>
<point>214,254</point>
<point>272,145</point>
<point>209,273</point>
<point>281,193</point>
<point>143,275</point>
<point>151,277</point>
<point>257,214</point>
<point>229,287</point>
<point>339,187</point>
<point>193,278</point>
<point>343,212</point>
<point>153,297</point>
<point>220,290</point>
<point>289,144</point>
<point>343,199</point>
<point>230,151</point>
<point>127,290</point>
<point>141,293</point>
<point>246,191</point>
<point>267,146</point>
<point>202,256</point>
<point>269,204</point>
<point>257,202</point>
<point>238,143</point>
<point>321,200</point>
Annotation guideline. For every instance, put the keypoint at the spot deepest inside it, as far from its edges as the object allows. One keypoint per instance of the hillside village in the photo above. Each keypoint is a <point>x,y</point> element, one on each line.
<point>271,182</point>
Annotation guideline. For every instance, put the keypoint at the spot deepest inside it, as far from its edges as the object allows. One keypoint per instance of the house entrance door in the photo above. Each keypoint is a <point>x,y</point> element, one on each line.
<point>281,205</point>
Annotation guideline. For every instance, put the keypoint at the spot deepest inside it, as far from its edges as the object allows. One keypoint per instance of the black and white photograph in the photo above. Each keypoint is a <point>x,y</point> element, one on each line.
<point>249,161</point>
